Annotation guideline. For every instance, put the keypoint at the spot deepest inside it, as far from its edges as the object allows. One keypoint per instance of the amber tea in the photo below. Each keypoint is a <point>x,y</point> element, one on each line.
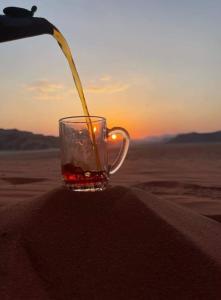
<point>78,177</point>
<point>84,154</point>
<point>67,52</point>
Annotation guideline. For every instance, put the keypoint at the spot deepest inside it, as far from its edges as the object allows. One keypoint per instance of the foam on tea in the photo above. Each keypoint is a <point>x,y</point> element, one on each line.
<point>67,52</point>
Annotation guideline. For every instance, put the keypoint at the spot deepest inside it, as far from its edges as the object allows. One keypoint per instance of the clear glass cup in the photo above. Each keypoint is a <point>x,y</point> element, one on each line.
<point>84,154</point>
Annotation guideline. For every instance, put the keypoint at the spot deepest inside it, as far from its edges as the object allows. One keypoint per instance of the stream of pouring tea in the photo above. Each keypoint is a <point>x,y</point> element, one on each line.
<point>67,52</point>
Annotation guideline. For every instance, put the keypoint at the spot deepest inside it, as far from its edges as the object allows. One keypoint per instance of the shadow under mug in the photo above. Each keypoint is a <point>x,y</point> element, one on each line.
<point>84,153</point>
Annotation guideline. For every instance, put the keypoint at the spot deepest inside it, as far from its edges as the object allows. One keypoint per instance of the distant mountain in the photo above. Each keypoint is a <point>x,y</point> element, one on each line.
<point>155,139</point>
<point>194,137</point>
<point>159,138</point>
<point>13,139</point>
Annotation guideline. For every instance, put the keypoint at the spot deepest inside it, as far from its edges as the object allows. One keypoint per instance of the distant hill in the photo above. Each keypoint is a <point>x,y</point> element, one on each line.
<point>194,137</point>
<point>13,139</point>
<point>158,139</point>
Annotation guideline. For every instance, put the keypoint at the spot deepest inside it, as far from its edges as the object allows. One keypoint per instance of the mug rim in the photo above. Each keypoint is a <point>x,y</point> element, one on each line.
<point>94,119</point>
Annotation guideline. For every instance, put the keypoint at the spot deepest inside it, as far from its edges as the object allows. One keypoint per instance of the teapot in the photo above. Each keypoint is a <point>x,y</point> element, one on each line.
<point>18,23</point>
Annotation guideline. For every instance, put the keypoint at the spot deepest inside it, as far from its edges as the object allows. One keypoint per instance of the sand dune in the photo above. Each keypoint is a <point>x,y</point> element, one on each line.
<point>156,236</point>
<point>119,244</point>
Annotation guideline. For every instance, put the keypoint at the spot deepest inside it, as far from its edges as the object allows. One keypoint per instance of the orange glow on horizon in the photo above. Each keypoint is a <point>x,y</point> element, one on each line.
<point>137,129</point>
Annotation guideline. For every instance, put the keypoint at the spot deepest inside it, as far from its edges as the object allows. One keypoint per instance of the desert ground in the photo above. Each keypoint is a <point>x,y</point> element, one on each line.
<point>155,233</point>
<point>180,173</point>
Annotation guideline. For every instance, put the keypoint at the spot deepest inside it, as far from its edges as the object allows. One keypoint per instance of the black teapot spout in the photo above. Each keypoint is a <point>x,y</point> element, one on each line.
<point>18,23</point>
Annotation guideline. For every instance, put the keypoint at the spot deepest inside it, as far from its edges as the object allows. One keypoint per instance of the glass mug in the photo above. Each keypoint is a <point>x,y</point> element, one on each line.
<point>84,155</point>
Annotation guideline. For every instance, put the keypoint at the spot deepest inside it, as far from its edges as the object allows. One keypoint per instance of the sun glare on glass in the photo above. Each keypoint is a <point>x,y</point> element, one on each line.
<point>114,136</point>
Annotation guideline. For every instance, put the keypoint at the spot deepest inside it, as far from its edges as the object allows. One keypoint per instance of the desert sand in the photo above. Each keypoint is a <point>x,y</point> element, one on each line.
<point>155,233</point>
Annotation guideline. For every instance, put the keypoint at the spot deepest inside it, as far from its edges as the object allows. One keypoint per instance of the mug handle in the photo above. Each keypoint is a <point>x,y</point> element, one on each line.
<point>123,150</point>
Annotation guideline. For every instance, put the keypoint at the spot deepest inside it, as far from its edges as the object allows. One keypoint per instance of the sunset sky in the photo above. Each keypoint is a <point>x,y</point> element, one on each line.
<point>151,66</point>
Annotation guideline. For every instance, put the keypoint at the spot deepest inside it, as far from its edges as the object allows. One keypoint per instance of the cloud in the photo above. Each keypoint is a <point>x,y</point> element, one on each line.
<point>44,89</point>
<point>105,78</point>
<point>48,90</point>
<point>108,89</point>
<point>44,86</point>
<point>106,85</point>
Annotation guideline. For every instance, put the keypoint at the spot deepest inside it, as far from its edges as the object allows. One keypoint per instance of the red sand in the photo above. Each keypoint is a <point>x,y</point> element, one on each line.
<point>119,244</point>
<point>124,243</point>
